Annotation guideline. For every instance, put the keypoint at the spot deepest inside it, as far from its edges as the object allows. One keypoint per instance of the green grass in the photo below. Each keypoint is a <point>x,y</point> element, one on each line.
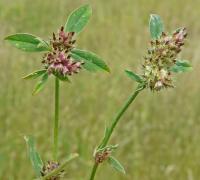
<point>158,136</point>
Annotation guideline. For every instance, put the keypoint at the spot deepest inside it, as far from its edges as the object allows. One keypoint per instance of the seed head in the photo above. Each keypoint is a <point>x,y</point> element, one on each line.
<point>161,56</point>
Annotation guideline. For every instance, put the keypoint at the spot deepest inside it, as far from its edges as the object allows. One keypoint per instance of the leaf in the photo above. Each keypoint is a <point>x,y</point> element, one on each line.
<point>116,164</point>
<point>35,74</point>
<point>106,133</point>
<point>180,69</point>
<point>134,76</point>
<point>156,26</point>
<point>43,44</point>
<point>181,66</point>
<point>88,66</point>
<point>91,60</point>
<point>62,78</point>
<point>183,63</point>
<point>40,85</point>
<point>78,19</point>
<point>34,155</point>
<point>26,42</point>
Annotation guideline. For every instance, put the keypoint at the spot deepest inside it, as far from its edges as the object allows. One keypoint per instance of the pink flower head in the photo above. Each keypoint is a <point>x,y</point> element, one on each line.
<point>63,40</point>
<point>59,61</point>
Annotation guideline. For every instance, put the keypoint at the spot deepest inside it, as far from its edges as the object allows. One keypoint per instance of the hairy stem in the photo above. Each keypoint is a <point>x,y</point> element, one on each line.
<point>56,120</point>
<point>114,123</point>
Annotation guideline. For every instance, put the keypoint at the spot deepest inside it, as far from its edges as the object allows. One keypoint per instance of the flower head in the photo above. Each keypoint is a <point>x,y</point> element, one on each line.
<point>59,60</point>
<point>49,167</point>
<point>102,154</point>
<point>63,41</point>
<point>161,56</point>
<point>161,60</point>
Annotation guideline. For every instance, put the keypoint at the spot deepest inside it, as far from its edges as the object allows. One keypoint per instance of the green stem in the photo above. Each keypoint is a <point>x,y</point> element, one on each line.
<point>56,120</point>
<point>94,169</point>
<point>114,123</point>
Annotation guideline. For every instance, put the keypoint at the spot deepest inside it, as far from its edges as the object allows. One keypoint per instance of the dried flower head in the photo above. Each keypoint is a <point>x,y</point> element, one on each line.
<point>162,55</point>
<point>101,155</point>
<point>49,167</point>
<point>161,61</point>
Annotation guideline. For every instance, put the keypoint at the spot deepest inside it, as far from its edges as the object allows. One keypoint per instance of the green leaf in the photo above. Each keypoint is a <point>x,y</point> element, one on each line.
<point>26,42</point>
<point>184,63</point>
<point>40,85</point>
<point>106,133</point>
<point>34,155</point>
<point>91,60</point>
<point>78,19</point>
<point>62,78</point>
<point>88,66</point>
<point>44,44</point>
<point>180,69</point>
<point>116,164</point>
<point>134,76</point>
<point>181,66</point>
<point>156,26</point>
<point>35,74</point>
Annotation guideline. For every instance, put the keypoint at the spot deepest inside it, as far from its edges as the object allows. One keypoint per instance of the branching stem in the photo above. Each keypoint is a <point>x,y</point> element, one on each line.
<point>114,123</point>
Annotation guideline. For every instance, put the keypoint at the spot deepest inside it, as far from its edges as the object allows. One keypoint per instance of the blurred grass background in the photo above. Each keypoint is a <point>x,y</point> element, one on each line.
<point>158,136</point>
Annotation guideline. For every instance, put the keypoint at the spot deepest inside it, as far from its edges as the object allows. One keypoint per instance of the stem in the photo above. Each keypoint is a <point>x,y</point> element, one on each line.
<point>114,123</point>
<point>56,120</point>
<point>94,169</point>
